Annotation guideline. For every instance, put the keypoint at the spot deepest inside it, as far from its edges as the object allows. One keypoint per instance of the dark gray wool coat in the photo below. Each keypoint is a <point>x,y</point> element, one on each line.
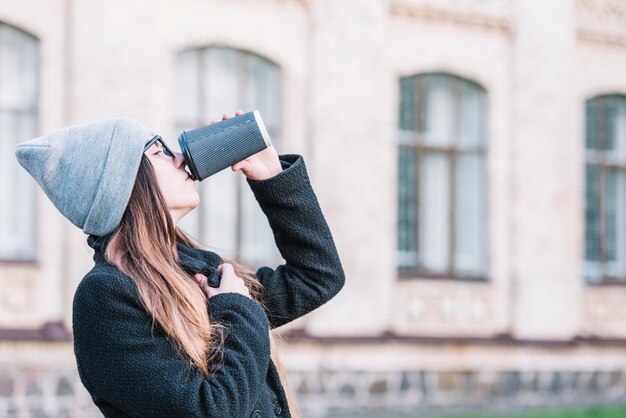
<point>131,372</point>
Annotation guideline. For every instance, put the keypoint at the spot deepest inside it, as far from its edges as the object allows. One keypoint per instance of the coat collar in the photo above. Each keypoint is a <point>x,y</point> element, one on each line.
<point>192,260</point>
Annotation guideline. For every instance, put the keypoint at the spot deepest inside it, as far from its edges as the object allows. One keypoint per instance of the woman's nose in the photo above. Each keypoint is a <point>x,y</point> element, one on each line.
<point>179,159</point>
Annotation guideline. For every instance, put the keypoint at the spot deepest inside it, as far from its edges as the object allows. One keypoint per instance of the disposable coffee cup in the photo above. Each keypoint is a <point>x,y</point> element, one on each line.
<point>212,148</point>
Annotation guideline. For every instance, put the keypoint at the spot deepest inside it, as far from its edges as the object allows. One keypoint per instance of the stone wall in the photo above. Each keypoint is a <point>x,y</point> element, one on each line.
<point>44,392</point>
<point>427,392</point>
<point>58,393</point>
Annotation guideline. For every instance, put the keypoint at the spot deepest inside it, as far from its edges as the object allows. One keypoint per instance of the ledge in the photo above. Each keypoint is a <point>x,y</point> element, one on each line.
<point>49,331</point>
<point>56,331</point>
<point>299,334</point>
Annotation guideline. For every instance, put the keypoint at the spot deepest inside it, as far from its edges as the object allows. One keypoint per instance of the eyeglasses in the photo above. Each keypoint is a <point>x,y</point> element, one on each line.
<point>166,150</point>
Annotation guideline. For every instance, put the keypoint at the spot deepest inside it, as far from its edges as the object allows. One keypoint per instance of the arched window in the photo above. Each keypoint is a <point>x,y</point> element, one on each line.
<point>19,90</point>
<point>441,178</point>
<point>210,82</point>
<point>605,192</point>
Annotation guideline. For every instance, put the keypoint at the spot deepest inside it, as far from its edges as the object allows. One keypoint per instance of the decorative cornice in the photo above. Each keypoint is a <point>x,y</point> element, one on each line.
<point>301,2</point>
<point>466,17</point>
<point>601,38</point>
<point>601,21</point>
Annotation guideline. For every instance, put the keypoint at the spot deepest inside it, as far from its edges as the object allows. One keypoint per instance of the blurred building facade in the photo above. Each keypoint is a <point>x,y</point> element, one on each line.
<point>469,155</point>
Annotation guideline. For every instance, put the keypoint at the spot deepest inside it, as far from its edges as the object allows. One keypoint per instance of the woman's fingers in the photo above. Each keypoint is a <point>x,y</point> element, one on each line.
<point>201,278</point>
<point>229,283</point>
<point>244,165</point>
<point>227,266</point>
<point>204,285</point>
<point>227,116</point>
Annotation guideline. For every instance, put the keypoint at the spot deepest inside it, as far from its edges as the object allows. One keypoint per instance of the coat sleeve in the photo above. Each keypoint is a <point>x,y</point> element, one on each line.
<point>313,273</point>
<point>126,364</point>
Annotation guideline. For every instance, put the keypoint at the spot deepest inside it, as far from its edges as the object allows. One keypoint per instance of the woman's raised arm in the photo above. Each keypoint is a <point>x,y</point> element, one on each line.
<point>313,273</point>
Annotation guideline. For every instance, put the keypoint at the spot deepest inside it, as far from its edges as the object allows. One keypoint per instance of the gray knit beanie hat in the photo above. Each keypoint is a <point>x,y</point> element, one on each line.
<point>88,171</point>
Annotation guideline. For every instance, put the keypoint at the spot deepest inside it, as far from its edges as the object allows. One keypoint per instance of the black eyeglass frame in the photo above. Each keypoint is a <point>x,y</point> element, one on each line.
<point>166,150</point>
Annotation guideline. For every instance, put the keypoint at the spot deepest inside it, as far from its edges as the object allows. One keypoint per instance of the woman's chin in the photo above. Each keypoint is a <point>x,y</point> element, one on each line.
<point>193,201</point>
<point>180,213</point>
<point>191,206</point>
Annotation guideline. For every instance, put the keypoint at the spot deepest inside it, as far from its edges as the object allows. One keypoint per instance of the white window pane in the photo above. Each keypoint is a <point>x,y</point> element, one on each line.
<point>8,134</point>
<point>17,190</point>
<point>221,82</point>
<point>219,192</point>
<point>472,117</point>
<point>8,171</point>
<point>470,215</point>
<point>18,98</point>
<point>434,212</point>
<point>187,94</point>
<point>257,77</point>
<point>258,246</point>
<point>440,111</point>
<point>219,209</point>
<point>616,228</point>
<point>617,128</point>
<point>263,91</point>
<point>18,69</point>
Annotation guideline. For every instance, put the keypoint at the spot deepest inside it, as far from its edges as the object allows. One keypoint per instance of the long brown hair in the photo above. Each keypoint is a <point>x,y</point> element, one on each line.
<point>143,247</point>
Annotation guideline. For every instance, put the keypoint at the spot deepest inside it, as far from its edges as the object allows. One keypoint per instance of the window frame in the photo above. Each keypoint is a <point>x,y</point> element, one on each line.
<point>415,140</point>
<point>604,163</point>
<point>244,68</point>
<point>34,111</point>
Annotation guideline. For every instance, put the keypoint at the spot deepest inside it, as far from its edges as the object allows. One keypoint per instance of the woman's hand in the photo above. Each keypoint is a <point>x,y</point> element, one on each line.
<point>230,283</point>
<point>260,166</point>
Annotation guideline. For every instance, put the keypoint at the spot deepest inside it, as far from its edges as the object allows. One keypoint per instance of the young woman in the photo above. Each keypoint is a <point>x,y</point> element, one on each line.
<point>163,328</point>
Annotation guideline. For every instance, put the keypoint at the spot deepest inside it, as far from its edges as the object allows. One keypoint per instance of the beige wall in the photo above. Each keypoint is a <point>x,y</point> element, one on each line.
<point>340,65</point>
